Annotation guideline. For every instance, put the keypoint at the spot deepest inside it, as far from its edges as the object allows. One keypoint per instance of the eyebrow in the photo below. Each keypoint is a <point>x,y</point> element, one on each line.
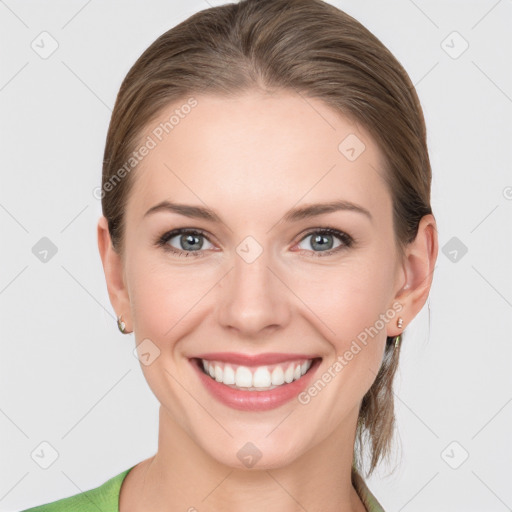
<point>294,215</point>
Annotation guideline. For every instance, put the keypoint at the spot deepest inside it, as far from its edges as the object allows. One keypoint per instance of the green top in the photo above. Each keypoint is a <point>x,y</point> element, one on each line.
<point>105,498</point>
<point>369,500</point>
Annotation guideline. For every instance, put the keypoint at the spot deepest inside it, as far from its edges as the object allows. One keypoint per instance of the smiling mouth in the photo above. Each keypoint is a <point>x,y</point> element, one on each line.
<point>255,378</point>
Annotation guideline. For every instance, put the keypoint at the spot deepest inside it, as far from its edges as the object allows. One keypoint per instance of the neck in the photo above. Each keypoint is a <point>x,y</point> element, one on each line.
<point>183,476</point>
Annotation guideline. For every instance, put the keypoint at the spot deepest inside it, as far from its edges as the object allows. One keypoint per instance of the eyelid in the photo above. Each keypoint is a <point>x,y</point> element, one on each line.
<point>163,240</point>
<point>345,239</point>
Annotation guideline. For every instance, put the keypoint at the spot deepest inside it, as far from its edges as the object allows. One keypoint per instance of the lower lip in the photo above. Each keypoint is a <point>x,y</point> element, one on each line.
<point>255,400</point>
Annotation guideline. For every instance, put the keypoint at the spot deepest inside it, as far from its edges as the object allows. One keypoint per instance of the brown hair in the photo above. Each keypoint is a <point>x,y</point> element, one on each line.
<point>312,48</point>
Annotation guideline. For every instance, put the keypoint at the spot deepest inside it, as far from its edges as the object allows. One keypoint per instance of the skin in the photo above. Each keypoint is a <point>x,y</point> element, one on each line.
<point>251,158</point>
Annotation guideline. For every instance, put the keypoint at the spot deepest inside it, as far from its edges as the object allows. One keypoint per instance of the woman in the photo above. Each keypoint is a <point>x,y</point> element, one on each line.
<point>267,236</point>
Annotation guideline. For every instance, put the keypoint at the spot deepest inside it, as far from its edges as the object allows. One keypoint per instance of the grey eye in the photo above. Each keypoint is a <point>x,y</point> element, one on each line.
<point>189,242</point>
<point>321,241</point>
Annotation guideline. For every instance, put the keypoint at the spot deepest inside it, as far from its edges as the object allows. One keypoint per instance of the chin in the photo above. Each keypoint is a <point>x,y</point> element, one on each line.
<point>258,454</point>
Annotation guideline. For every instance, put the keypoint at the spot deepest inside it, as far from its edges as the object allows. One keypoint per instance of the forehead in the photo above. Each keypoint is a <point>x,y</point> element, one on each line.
<point>257,150</point>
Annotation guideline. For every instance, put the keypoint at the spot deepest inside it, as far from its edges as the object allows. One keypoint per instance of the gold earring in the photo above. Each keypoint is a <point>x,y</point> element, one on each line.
<point>399,324</point>
<point>121,325</point>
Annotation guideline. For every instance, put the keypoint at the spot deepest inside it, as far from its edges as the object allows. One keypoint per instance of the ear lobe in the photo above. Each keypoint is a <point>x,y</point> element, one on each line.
<point>114,272</point>
<point>419,265</point>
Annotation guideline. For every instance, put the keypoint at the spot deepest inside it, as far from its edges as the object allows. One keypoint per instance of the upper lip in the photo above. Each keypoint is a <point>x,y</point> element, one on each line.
<point>254,360</point>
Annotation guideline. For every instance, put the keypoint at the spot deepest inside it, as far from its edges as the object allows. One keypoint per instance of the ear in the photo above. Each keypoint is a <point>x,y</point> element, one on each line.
<point>114,273</point>
<point>417,272</point>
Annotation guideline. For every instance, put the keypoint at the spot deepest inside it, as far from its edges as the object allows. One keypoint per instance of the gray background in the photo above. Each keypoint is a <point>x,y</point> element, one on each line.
<point>70,379</point>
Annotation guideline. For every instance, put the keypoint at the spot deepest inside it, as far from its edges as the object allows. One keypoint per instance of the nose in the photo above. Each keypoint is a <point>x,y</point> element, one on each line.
<point>253,300</point>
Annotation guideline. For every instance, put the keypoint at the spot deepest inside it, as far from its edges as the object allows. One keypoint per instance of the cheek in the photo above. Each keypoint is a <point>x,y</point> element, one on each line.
<point>165,303</point>
<point>163,297</point>
<point>349,298</point>
<point>352,305</point>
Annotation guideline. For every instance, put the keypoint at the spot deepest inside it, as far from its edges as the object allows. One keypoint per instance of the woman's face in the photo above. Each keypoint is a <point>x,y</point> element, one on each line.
<point>256,277</point>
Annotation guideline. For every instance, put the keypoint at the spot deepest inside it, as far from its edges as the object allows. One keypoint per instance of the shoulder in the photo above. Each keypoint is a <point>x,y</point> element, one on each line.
<point>105,497</point>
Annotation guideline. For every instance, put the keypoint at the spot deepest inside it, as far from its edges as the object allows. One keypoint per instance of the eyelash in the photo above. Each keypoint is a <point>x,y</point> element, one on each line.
<point>347,241</point>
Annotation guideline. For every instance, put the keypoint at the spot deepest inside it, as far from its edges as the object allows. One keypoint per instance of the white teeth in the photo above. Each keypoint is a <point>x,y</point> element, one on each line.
<point>277,376</point>
<point>218,373</point>
<point>258,378</point>
<point>243,377</point>
<point>261,378</point>
<point>304,367</point>
<point>288,374</point>
<point>229,375</point>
